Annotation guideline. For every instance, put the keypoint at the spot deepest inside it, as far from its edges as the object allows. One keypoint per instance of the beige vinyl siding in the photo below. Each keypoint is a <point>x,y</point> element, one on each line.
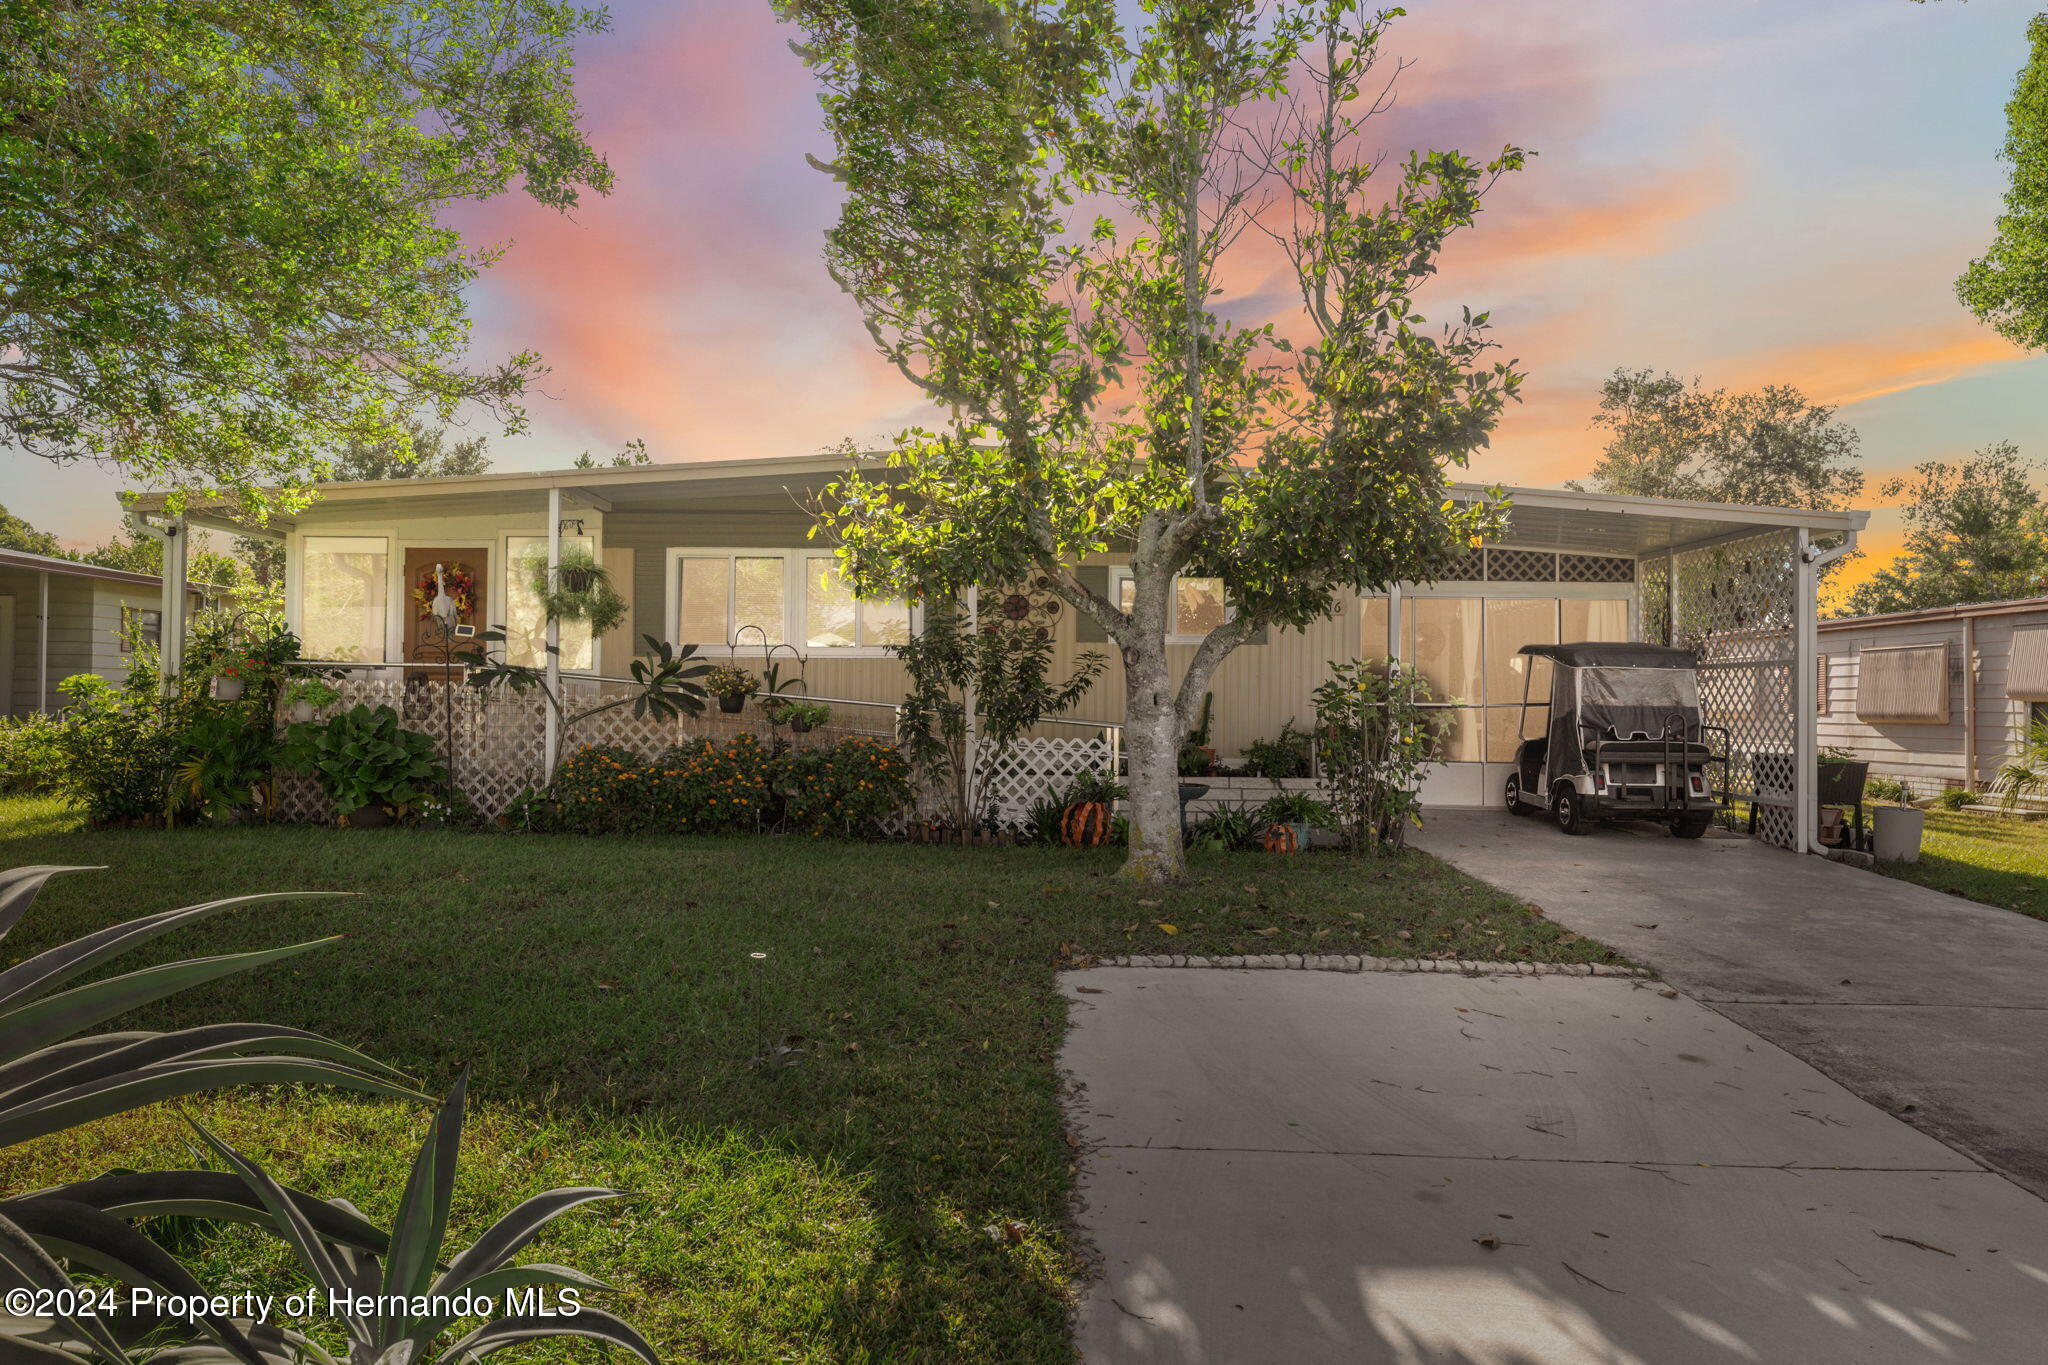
<point>71,633</point>
<point>1929,755</point>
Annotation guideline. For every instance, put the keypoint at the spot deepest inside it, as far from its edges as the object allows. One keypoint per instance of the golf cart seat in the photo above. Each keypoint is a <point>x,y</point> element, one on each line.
<point>1691,753</point>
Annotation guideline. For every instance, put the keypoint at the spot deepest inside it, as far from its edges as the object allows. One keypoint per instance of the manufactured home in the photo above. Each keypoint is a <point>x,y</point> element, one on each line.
<point>59,617</point>
<point>718,554</point>
<point>1936,698</point>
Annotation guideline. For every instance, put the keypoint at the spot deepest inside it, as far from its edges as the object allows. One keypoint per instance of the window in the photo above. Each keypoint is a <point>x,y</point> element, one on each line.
<point>526,628</point>
<point>1510,624</point>
<point>835,619</point>
<point>1905,684</point>
<point>1440,636</point>
<point>1199,604</point>
<point>343,598</point>
<point>743,597</point>
<point>138,623</point>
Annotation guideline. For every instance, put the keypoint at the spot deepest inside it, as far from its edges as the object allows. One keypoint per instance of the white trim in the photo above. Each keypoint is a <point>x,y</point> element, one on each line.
<point>793,560</point>
<point>7,654</point>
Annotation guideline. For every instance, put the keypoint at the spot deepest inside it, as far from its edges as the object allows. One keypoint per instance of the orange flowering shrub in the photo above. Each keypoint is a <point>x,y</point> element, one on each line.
<point>738,787</point>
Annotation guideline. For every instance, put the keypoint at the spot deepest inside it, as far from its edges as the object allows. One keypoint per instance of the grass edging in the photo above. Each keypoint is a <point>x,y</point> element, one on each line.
<point>1310,962</point>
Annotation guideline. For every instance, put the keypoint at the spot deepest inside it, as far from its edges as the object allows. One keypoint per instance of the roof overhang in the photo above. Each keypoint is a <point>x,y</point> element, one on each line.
<point>1538,518</point>
<point>71,568</point>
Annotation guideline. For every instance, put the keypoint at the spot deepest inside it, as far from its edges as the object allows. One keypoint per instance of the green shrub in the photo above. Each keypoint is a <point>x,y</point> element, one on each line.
<point>846,789</point>
<point>31,753</point>
<point>1228,831</point>
<point>1884,789</point>
<point>1294,808</point>
<point>1954,798</point>
<point>1285,755</point>
<point>119,753</point>
<point>363,756</point>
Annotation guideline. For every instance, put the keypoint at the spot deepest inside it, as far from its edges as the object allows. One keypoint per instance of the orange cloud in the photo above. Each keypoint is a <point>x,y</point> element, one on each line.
<point>1858,369</point>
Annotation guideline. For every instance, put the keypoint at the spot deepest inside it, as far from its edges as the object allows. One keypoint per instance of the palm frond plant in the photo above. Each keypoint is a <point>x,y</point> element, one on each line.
<point>667,685</point>
<point>405,1300</point>
<point>2025,774</point>
<point>54,1076</point>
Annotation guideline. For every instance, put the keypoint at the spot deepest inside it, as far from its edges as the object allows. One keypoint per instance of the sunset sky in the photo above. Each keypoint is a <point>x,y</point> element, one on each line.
<point>1751,191</point>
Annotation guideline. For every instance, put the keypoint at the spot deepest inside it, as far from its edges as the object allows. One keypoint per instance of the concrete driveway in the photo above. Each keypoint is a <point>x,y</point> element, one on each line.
<point>1310,1167</point>
<point>1928,1006</point>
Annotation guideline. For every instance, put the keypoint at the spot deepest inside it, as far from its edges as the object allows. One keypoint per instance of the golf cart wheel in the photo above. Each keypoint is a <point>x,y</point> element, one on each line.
<point>1514,795</point>
<point>1691,827</point>
<point>1568,809</point>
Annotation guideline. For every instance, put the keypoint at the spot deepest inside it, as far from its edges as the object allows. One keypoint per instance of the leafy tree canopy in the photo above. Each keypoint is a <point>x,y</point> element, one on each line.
<point>1976,531</point>
<point>220,256</point>
<point>16,534</point>
<point>2008,285</point>
<point>425,452</point>
<point>1670,438</point>
<point>1039,211</point>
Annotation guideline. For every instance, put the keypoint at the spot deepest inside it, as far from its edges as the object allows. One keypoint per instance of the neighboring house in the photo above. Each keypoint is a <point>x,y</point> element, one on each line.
<point>717,554</point>
<point>1938,697</point>
<point>59,617</point>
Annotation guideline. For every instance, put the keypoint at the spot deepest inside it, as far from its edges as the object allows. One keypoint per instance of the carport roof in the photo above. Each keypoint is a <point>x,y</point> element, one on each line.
<point>1545,518</point>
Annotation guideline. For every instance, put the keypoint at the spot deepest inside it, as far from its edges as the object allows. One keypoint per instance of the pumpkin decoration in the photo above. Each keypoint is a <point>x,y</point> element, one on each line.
<point>1280,839</point>
<point>1085,825</point>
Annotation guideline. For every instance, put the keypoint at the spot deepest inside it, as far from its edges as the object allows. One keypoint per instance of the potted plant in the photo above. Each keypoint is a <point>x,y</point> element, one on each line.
<point>231,669</point>
<point>308,695</point>
<point>577,588</point>
<point>1899,829</point>
<point>732,685</point>
<point>800,716</point>
<point>1288,818</point>
<point>1086,821</point>
<point>370,766</point>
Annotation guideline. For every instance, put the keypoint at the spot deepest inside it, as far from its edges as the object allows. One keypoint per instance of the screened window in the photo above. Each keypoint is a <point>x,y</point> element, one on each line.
<point>1440,636</point>
<point>343,599</point>
<point>835,619</point>
<point>719,597</point>
<point>526,628</point>
<point>139,623</point>
<point>1199,604</point>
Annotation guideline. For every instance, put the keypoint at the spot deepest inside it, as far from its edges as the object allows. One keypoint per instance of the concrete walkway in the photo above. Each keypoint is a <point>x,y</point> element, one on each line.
<point>1311,1167</point>
<point>1928,1006</point>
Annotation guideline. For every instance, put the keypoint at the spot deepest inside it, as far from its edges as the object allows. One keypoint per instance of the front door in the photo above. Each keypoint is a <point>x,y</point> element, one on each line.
<point>454,576</point>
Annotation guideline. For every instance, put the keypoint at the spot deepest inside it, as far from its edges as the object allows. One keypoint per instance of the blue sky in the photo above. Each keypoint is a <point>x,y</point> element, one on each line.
<point>1751,191</point>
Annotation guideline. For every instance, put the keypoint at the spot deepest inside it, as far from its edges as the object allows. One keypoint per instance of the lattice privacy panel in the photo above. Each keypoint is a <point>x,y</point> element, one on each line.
<point>499,738</point>
<point>1737,604</point>
<point>1033,769</point>
<point>1521,566</point>
<point>1470,569</point>
<point>1595,569</point>
<point>1656,592</point>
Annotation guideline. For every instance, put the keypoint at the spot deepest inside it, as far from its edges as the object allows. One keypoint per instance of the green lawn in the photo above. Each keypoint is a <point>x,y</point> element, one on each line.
<point>1986,857</point>
<point>900,1195</point>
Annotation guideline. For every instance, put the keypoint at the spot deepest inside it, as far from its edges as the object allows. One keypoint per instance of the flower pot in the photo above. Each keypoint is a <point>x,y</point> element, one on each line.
<point>372,816</point>
<point>799,727</point>
<point>574,580</point>
<point>227,689</point>
<point>302,712</point>
<point>1899,829</point>
<point>732,706</point>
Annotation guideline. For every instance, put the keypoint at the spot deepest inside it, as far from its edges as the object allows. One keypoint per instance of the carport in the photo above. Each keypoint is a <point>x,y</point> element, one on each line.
<point>1737,585</point>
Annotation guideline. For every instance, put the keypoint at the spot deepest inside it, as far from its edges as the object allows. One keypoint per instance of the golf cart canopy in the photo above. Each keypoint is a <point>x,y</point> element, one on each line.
<point>1596,655</point>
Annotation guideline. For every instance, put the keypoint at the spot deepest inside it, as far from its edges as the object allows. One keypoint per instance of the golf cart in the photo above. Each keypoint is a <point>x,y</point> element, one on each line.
<point>1624,740</point>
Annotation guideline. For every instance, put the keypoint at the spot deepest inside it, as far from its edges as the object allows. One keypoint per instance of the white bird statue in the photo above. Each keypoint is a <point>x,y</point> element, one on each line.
<point>443,606</point>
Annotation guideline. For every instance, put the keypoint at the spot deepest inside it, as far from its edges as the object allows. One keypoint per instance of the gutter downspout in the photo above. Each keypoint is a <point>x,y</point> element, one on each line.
<point>551,739</point>
<point>1805,750</point>
<point>1969,703</point>
<point>42,646</point>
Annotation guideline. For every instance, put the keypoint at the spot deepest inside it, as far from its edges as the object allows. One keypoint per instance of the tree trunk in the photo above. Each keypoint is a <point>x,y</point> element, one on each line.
<point>1152,734</point>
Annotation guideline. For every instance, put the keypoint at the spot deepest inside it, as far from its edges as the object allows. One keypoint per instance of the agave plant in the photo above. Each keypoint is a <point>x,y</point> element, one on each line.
<point>417,1289</point>
<point>54,1076</point>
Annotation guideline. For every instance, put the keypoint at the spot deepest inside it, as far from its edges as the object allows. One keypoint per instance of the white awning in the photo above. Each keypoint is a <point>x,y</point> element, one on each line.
<point>2026,675</point>
<point>1908,683</point>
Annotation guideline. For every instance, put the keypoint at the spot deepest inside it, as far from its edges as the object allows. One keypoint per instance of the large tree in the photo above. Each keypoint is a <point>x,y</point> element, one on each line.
<point>1976,531</point>
<point>16,534</point>
<point>424,452</point>
<point>220,249</point>
<point>2008,285</point>
<point>1669,437</point>
<point>1039,209</point>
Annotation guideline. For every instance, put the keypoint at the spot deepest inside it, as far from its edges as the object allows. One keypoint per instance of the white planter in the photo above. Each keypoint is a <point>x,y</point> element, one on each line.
<point>1897,839</point>
<point>227,689</point>
<point>302,711</point>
